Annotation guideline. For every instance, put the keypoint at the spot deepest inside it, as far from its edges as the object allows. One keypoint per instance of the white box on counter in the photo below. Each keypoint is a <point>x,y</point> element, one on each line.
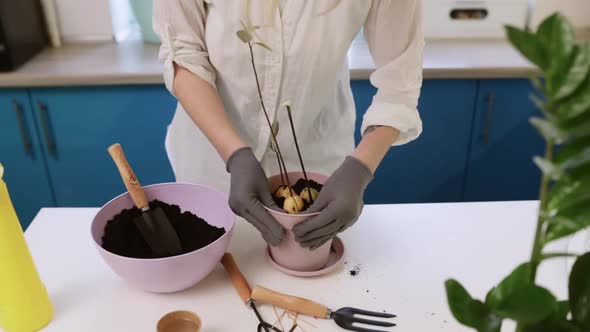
<point>472,19</point>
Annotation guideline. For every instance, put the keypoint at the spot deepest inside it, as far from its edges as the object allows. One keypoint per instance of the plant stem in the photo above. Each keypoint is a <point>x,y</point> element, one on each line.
<point>280,168</point>
<point>280,155</point>
<point>299,152</point>
<point>537,253</point>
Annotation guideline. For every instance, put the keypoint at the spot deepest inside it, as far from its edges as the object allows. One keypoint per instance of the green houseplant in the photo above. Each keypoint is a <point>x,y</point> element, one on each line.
<point>564,99</point>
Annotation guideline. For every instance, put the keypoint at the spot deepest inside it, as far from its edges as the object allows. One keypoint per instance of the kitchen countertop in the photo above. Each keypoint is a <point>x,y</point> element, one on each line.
<point>137,63</point>
<point>404,254</point>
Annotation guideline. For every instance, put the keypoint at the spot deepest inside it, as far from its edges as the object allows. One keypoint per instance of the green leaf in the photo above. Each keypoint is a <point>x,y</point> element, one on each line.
<point>470,312</point>
<point>548,168</point>
<point>575,108</point>
<point>244,36</point>
<point>538,84</point>
<point>567,223</point>
<point>570,80</point>
<point>263,45</point>
<point>520,277</point>
<point>579,290</point>
<point>557,36</point>
<point>527,304</point>
<point>528,45</point>
<point>574,154</point>
<point>553,326</point>
<point>569,194</point>
<point>548,130</point>
<point>556,322</point>
<point>579,127</point>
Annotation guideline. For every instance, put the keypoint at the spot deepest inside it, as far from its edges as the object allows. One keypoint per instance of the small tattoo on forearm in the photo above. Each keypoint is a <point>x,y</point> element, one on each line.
<point>371,129</point>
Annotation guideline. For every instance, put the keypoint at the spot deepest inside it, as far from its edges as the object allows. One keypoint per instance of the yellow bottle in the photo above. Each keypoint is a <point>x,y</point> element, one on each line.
<point>24,303</point>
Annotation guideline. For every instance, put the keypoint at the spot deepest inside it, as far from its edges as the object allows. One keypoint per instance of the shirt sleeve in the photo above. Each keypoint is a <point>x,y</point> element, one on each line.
<point>180,25</point>
<point>393,30</point>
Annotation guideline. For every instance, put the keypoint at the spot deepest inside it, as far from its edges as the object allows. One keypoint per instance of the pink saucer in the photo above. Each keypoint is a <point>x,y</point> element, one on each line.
<point>336,257</point>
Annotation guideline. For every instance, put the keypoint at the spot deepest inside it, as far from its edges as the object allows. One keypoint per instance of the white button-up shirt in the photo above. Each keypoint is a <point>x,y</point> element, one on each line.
<point>307,66</point>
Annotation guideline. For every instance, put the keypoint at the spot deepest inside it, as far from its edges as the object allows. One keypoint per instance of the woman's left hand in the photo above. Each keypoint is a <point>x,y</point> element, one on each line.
<point>339,203</point>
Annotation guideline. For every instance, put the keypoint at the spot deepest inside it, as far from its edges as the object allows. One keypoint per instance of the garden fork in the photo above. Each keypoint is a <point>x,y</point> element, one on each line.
<point>346,318</point>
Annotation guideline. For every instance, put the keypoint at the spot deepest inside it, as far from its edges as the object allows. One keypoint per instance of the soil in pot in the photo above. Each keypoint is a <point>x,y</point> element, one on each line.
<point>298,188</point>
<point>123,238</point>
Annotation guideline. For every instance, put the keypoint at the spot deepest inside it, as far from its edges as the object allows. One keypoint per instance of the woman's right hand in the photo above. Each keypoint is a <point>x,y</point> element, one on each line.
<point>249,193</point>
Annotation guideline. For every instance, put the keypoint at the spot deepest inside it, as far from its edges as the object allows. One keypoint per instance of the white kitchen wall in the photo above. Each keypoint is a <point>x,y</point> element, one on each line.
<point>84,20</point>
<point>578,11</point>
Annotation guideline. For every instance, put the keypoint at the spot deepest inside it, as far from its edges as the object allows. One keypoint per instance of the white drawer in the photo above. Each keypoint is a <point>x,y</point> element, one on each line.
<point>472,19</point>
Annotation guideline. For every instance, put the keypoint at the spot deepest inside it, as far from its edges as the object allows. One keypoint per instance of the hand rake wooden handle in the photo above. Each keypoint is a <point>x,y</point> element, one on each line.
<point>290,303</point>
<point>237,278</point>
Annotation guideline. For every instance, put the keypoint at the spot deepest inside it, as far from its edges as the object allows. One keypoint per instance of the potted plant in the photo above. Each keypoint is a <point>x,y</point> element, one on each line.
<point>564,194</point>
<point>293,192</point>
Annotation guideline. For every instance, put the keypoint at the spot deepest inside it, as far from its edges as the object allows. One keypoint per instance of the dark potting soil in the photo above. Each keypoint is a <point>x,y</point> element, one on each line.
<point>122,237</point>
<point>302,184</point>
<point>298,188</point>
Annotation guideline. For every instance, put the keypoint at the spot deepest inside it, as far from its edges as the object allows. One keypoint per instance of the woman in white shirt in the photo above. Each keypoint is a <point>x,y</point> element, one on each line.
<point>219,126</point>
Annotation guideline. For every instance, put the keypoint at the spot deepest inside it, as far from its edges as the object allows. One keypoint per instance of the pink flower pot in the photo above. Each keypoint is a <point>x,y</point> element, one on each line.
<point>289,254</point>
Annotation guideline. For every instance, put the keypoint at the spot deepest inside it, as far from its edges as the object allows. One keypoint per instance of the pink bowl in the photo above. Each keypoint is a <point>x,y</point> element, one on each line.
<point>171,274</point>
<point>289,254</point>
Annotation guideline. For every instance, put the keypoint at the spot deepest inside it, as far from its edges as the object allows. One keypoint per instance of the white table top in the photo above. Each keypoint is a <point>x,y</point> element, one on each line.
<point>405,253</point>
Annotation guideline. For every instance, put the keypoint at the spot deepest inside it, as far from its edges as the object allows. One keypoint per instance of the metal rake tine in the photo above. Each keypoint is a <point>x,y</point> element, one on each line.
<point>372,313</point>
<point>362,329</point>
<point>372,322</point>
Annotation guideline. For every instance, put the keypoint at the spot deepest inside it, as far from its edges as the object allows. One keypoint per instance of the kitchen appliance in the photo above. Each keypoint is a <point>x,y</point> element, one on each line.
<point>23,32</point>
<point>446,19</point>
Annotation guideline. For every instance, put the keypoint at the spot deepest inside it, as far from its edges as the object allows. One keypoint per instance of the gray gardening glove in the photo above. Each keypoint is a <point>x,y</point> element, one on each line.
<point>340,203</point>
<point>249,192</point>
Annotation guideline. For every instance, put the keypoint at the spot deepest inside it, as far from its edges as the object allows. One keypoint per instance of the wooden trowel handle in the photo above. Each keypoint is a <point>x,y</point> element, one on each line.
<point>237,278</point>
<point>128,176</point>
<point>291,303</point>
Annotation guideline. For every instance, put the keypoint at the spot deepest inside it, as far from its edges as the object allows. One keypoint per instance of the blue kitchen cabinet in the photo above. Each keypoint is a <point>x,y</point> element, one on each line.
<point>431,168</point>
<point>79,124</point>
<point>503,143</point>
<point>22,156</point>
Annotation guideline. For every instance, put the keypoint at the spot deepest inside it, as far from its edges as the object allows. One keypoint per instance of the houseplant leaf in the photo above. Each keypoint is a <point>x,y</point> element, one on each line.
<point>556,322</point>
<point>579,291</point>
<point>549,130</point>
<point>579,127</point>
<point>567,223</point>
<point>244,36</point>
<point>568,81</point>
<point>557,34</point>
<point>528,45</point>
<point>527,304</point>
<point>263,45</point>
<point>569,194</point>
<point>577,106</point>
<point>574,155</point>
<point>470,312</point>
<point>519,278</point>
<point>548,168</point>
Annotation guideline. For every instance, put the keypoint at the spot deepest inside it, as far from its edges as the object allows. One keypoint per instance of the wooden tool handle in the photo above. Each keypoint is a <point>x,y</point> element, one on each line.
<point>128,176</point>
<point>237,278</point>
<point>290,303</point>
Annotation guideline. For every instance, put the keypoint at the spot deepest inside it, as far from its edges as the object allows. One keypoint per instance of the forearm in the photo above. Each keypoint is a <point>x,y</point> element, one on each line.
<point>374,145</point>
<point>204,106</point>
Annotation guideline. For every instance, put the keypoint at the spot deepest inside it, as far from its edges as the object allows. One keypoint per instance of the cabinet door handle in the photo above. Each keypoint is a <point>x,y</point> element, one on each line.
<point>47,132</point>
<point>491,103</point>
<point>23,129</point>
